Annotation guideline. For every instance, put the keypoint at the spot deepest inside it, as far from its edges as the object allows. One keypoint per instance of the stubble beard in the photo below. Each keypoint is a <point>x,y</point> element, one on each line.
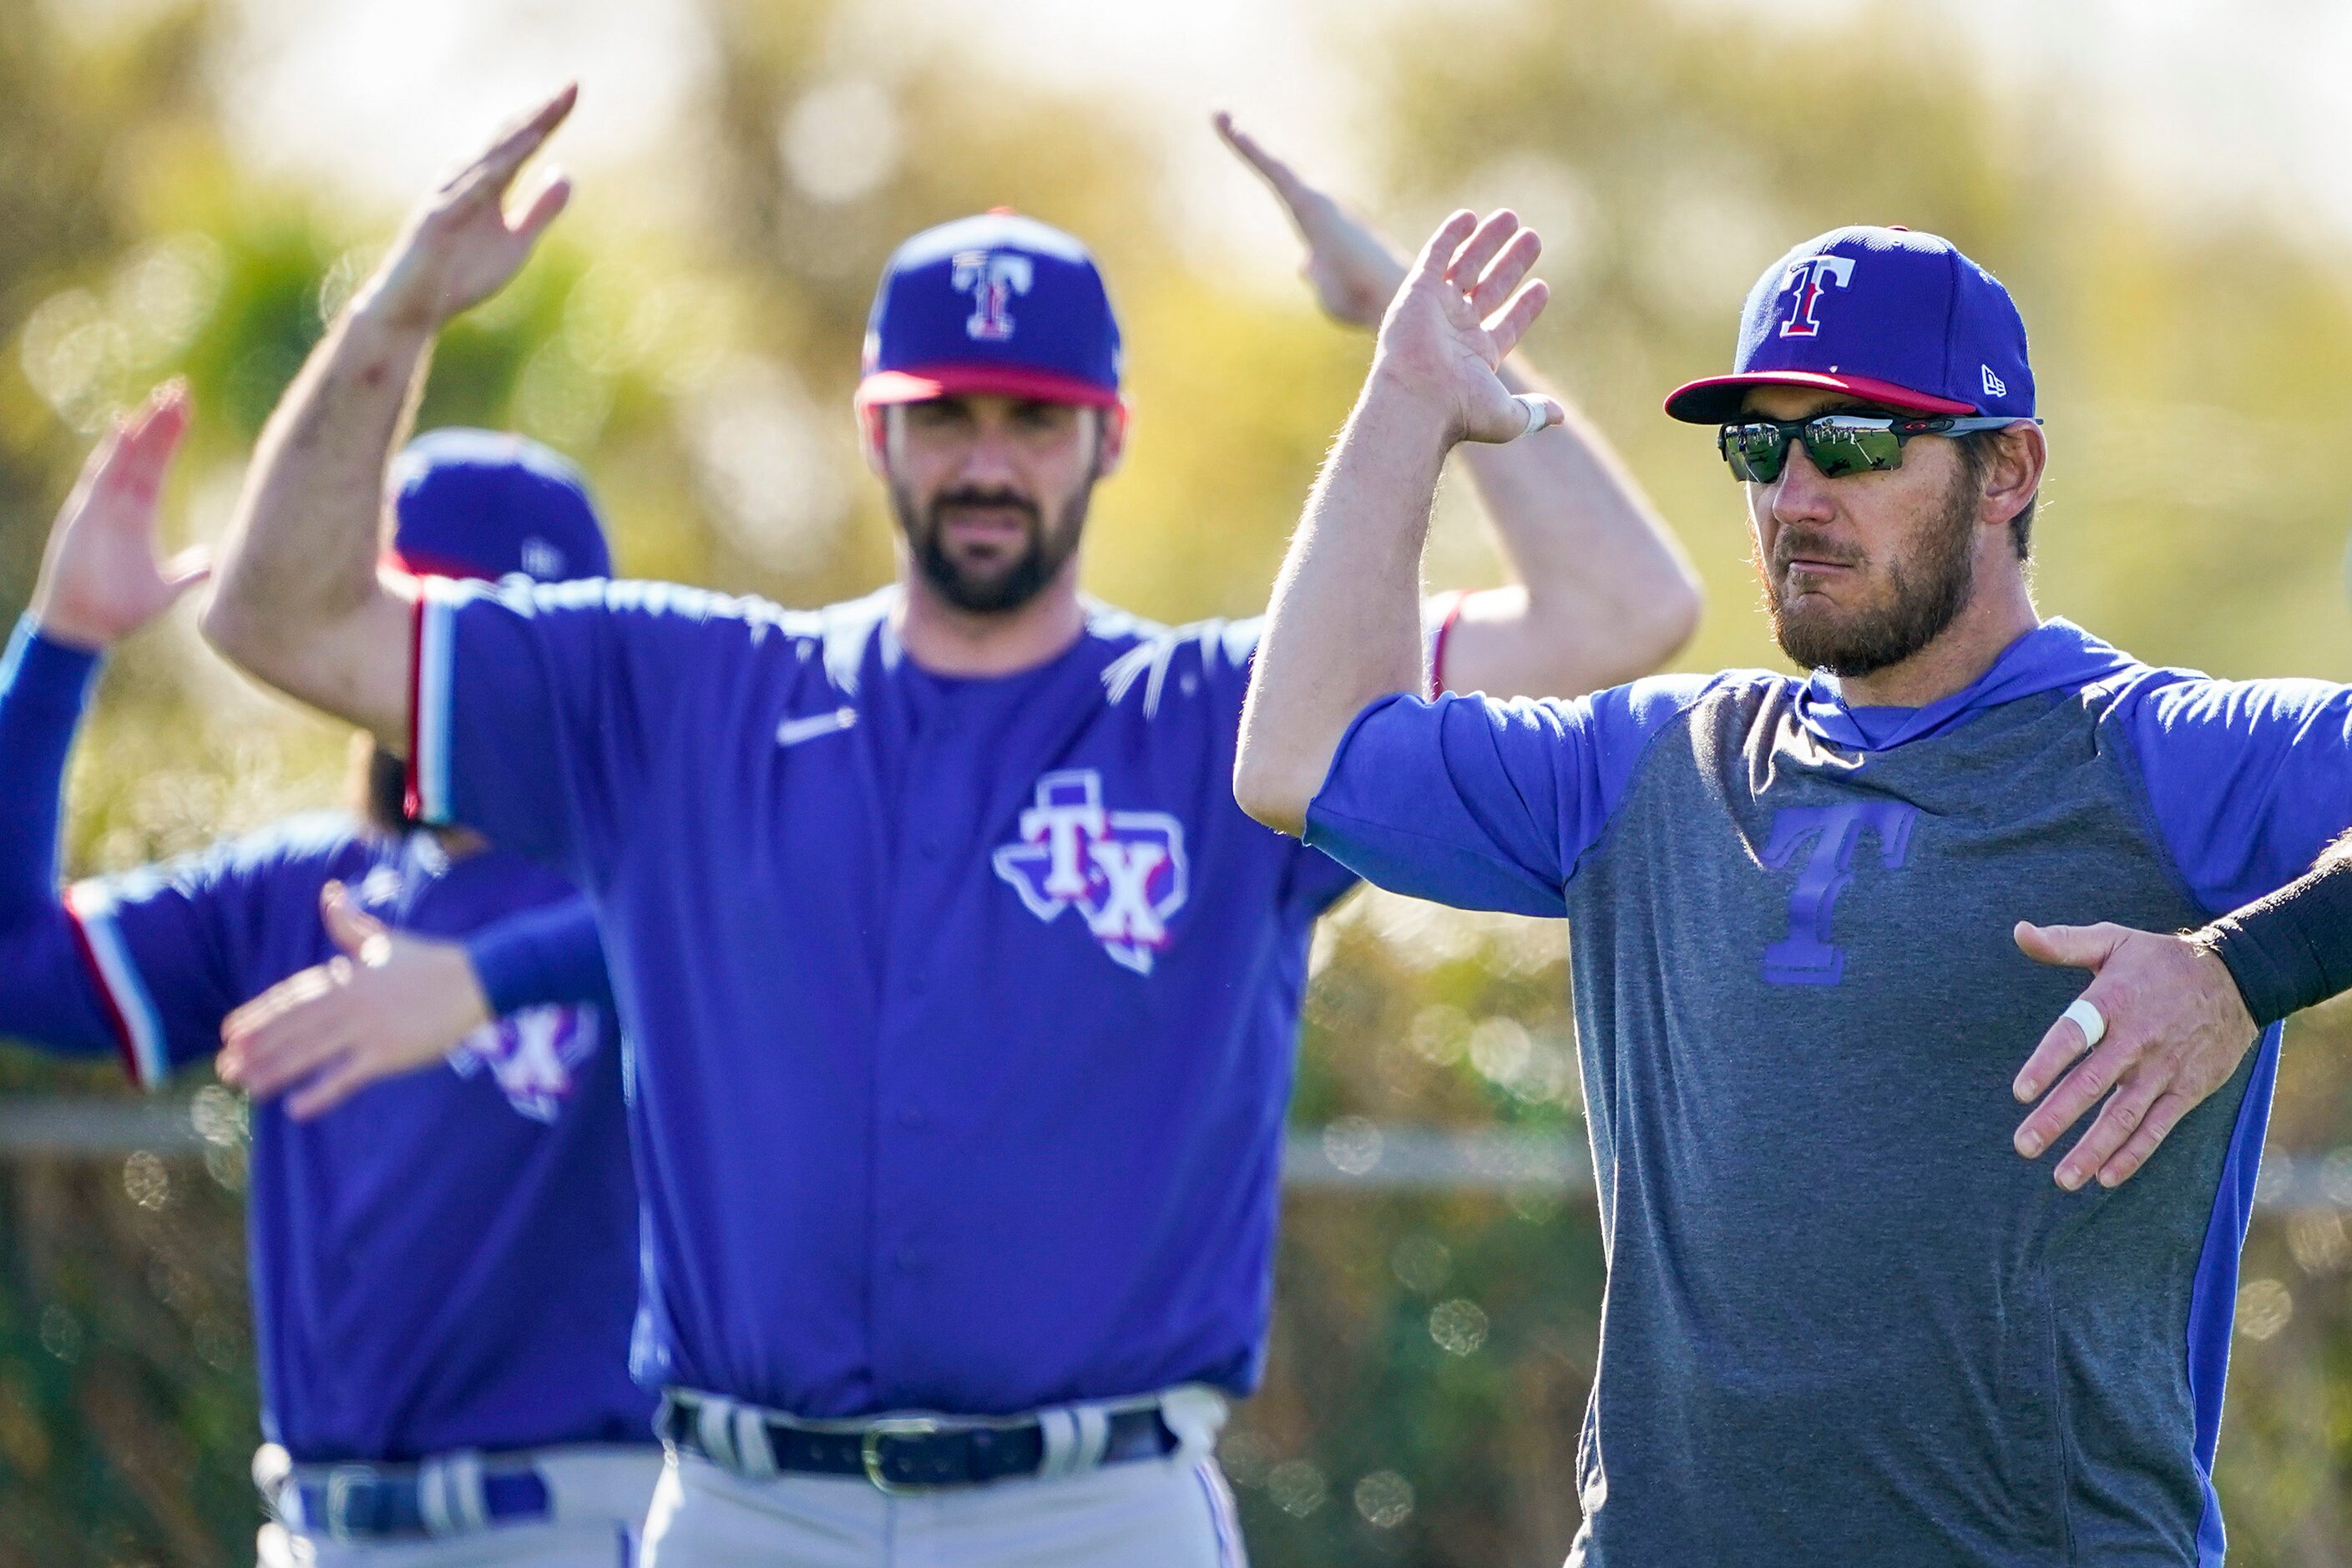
<point>1004,589</point>
<point>1929,593</point>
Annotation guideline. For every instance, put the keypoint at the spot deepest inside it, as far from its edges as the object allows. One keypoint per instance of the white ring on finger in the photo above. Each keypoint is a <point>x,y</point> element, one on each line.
<point>1537,414</point>
<point>2087,1018</point>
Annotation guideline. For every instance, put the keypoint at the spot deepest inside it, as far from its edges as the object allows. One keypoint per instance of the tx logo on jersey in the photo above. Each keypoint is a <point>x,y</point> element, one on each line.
<point>1123,872</point>
<point>1828,836</point>
<point>1810,278</point>
<point>991,278</point>
<point>531,1055</point>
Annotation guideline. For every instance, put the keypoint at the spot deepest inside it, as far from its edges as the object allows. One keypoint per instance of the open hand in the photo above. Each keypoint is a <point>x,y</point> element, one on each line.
<point>392,1003</point>
<point>100,580</point>
<point>2176,1030</point>
<point>460,247</point>
<point>1355,272</point>
<point>1457,318</point>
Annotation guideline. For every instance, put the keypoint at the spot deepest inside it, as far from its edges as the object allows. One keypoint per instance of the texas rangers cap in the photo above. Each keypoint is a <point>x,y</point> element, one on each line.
<point>1896,318</point>
<point>482,503</point>
<point>997,304</point>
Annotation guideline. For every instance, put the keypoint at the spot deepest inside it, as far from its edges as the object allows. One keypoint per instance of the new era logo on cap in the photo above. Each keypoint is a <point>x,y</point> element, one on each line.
<point>1892,317</point>
<point>486,503</point>
<point>996,304</point>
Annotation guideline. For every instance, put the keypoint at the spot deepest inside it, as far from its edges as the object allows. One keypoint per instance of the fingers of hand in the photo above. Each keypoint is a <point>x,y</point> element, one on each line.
<point>1509,327</point>
<point>1436,256</point>
<point>346,1077</point>
<point>187,570</point>
<point>150,444</point>
<point>2161,1119</point>
<point>2079,1090</point>
<point>526,135</point>
<point>549,200</point>
<point>1504,274</point>
<point>2061,1044</point>
<point>2075,947</point>
<point>2124,1113</point>
<point>1478,252</point>
<point>267,1057</point>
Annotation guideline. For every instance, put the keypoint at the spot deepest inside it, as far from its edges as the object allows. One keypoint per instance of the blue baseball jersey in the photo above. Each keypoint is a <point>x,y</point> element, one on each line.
<point>963,1009</point>
<point>447,1261</point>
<point>1845,1321</point>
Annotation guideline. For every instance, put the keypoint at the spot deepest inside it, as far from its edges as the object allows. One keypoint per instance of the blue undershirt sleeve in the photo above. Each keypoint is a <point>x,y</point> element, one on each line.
<point>541,957</point>
<point>1482,803</point>
<point>48,996</point>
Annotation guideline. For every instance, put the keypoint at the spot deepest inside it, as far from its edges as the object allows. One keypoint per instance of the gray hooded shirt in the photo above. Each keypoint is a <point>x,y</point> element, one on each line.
<point>1845,1322</point>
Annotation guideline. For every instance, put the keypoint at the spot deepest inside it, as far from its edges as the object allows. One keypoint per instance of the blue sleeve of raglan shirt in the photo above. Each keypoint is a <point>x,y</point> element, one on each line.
<point>2247,780</point>
<point>1487,805</point>
<point>542,956</point>
<point>543,712</point>
<point>48,997</point>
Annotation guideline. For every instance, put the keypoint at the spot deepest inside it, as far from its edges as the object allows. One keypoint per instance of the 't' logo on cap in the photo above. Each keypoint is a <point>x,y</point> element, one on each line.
<point>991,278</point>
<point>1810,278</point>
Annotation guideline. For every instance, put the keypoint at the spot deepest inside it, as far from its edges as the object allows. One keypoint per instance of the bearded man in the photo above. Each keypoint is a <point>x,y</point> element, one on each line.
<point>961,999</point>
<point>1845,1321</point>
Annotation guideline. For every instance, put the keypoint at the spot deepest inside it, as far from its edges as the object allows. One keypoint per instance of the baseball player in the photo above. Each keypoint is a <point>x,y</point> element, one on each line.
<point>1845,1322</point>
<point>443,1271</point>
<point>963,996</point>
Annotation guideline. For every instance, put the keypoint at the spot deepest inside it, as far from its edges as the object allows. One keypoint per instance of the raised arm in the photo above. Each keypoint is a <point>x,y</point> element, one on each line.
<point>100,582</point>
<point>1604,592</point>
<point>301,603</point>
<point>1345,624</point>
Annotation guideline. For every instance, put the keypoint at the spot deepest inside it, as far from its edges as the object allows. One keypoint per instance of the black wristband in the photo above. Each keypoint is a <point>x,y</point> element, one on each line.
<point>2293,949</point>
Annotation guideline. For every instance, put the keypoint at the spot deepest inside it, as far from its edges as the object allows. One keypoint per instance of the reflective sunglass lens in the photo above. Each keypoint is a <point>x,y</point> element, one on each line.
<point>1840,450</point>
<point>1755,452</point>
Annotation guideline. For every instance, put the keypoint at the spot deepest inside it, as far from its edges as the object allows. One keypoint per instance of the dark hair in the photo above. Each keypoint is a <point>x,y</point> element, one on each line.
<point>385,797</point>
<point>1976,447</point>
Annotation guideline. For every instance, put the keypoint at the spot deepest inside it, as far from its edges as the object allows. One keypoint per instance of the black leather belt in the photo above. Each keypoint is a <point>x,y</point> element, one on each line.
<point>898,1452</point>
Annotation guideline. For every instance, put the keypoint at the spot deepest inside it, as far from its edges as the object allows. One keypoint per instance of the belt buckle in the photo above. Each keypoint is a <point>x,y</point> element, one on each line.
<point>344,1483</point>
<point>869,1449</point>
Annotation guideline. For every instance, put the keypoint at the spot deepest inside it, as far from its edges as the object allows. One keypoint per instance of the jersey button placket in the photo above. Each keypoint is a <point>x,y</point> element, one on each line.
<point>937,776</point>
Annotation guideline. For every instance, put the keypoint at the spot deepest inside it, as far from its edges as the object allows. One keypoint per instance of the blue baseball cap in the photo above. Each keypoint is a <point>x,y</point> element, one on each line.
<point>1884,314</point>
<point>994,304</point>
<point>483,503</point>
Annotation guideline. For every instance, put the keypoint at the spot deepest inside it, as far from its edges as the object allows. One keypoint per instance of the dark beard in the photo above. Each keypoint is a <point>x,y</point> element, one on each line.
<point>1007,590</point>
<point>1929,594</point>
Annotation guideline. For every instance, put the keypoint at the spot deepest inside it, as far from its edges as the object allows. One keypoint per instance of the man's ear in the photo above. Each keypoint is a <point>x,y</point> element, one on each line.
<point>2014,475</point>
<point>874,436</point>
<point>1110,448</point>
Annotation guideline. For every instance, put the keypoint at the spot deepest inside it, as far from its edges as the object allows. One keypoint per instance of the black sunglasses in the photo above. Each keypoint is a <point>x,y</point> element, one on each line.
<point>1838,444</point>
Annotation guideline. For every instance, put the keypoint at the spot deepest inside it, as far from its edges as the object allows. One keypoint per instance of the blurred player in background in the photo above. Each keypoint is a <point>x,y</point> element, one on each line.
<point>444,1270</point>
<point>1843,1322</point>
<point>964,999</point>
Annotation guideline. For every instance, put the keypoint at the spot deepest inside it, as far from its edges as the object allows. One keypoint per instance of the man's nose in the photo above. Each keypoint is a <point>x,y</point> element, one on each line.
<point>988,461</point>
<point>1801,494</point>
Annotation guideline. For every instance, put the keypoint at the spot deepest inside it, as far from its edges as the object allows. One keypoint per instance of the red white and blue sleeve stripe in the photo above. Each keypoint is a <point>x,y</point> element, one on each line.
<point>429,695</point>
<point>130,1007</point>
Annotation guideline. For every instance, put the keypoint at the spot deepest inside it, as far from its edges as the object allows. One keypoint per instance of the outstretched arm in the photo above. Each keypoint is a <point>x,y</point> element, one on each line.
<point>1604,593</point>
<point>301,603</point>
<point>396,1002</point>
<point>1345,624</point>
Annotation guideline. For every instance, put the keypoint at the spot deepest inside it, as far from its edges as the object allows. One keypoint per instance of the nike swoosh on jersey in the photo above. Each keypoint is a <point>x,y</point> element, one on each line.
<point>793,732</point>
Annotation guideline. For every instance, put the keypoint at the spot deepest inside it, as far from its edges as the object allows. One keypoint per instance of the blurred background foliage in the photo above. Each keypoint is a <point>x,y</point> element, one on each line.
<point>691,334</point>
